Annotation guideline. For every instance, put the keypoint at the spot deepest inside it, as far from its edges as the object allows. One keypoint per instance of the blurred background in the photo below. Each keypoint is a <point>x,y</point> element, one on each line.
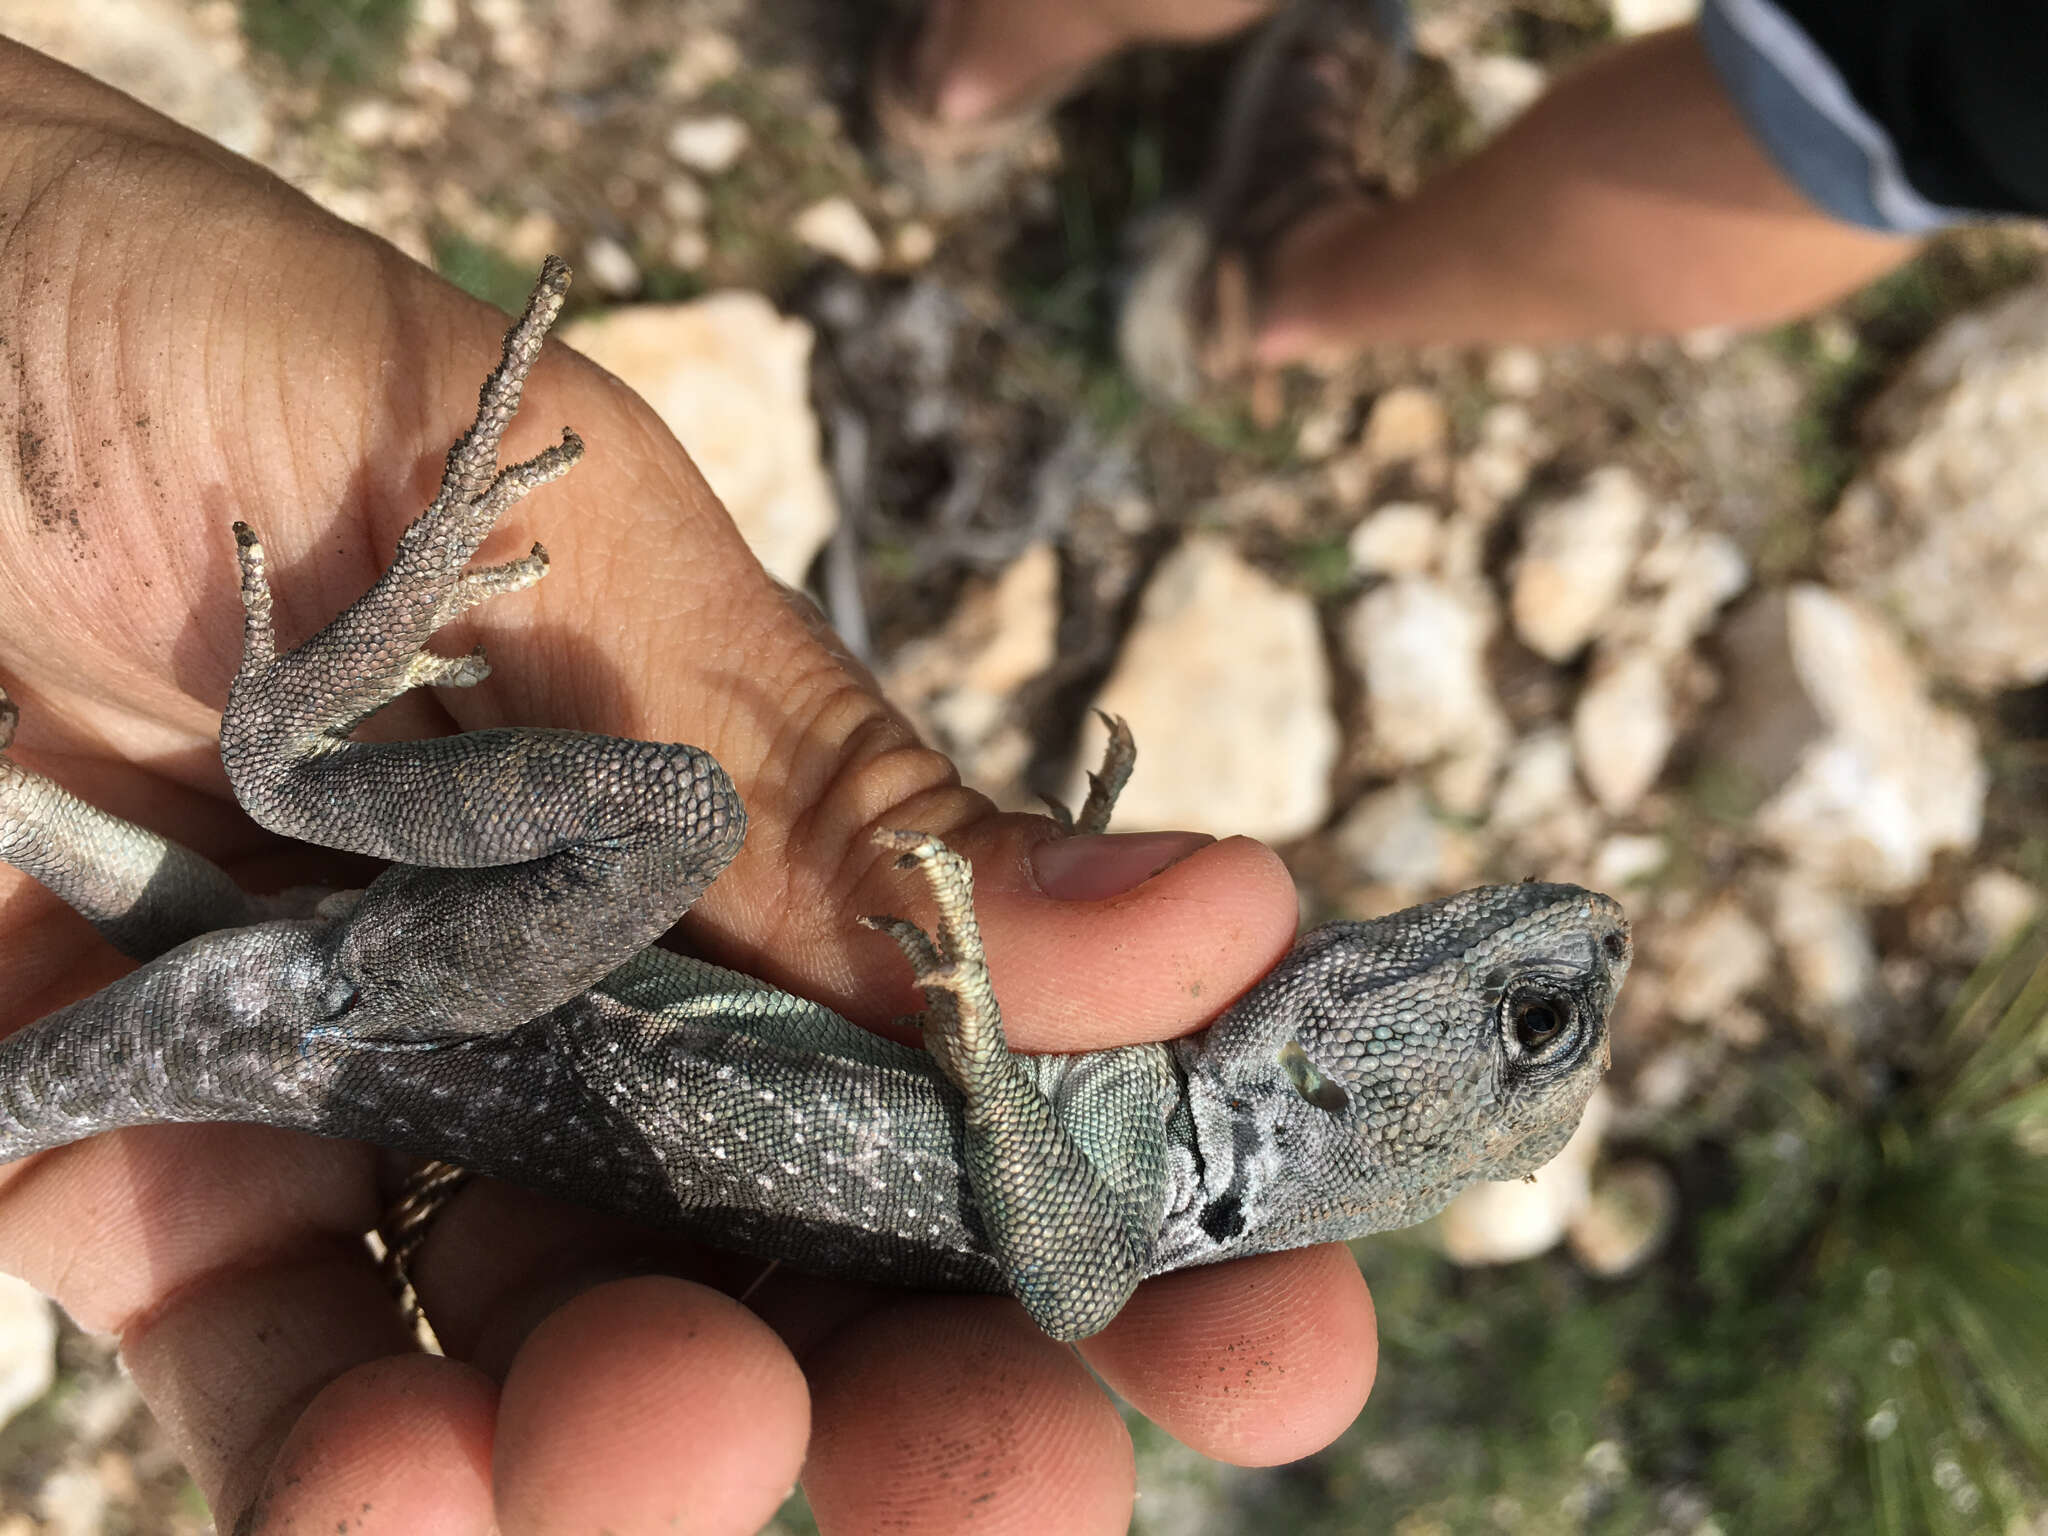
<point>1750,630</point>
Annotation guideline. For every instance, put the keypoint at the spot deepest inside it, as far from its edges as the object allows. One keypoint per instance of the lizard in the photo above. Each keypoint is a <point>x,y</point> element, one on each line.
<point>495,999</point>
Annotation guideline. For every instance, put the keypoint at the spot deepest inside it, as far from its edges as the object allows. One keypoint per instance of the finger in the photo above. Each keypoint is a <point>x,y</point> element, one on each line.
<point>397,1446</point>
<point>649,1405</point>
<point>944,1414</point>
<point>229,1262</point>
<point>1257,1361</point>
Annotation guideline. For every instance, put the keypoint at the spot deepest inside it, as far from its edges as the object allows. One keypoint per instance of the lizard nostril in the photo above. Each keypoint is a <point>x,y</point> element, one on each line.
<point>1616,944</point>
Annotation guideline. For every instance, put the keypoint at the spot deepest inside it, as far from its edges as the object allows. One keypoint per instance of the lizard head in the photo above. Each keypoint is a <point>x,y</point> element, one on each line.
<point>1384,1065</point>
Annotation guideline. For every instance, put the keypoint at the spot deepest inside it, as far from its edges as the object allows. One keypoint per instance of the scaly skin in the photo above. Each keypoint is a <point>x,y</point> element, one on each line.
<point>493,999</point>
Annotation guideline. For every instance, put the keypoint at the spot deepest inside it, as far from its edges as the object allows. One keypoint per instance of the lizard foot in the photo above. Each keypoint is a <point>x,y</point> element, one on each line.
<point>1104,785</point>
<point>376,649</point>
<point>963,1028</point>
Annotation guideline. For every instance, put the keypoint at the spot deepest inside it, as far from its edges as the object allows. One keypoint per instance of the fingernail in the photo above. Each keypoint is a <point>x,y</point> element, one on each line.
<point>1093,868</point>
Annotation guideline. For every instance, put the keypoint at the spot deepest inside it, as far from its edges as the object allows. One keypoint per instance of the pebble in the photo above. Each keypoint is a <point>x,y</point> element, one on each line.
<point>1721,956</point>
<point>1864,778</point>
<point>959,684</point>
<point>1945,531</point>
<point>1575,559</point>
<point>1394,837</point>
<point>1622,730</point>
<point>712,145</point>
<point>1224,681</point>
<point>28,1346</point>
<point>1830,951</point>
<point>731,378</point>
<point>611,266</point>
<point>1419,646</point>
<point>834,227</point>
<point>1496,87</point>
<point>1996,905</point>
<point>1627,1218</point>
<point>1499,1223</point>
<point>1402,538</point>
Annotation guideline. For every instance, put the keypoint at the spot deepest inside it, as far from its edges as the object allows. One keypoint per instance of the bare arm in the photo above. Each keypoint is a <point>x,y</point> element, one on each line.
<point>1631,198</point>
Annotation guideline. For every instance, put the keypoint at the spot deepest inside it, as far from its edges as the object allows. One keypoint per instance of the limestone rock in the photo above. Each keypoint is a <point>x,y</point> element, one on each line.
<point>1401,538</point>
<point>28,1346</point>
<point>1496,86</point>
<point>1830,951</point>
<point>731,378</point>
<point>1575,560</point>
<point>1996,905</point>
<point>1393,837</point>
<point>1626,1219</point>
<point>1946,531</point>
<point>164,53</point>
<point>834,227</point>
<point>959,684</point>
<point>1622,730</point>
<point>1538,809</point>
<point>1419,644</point>
<point>1496,1223</point>
<point>1224,681</point>
<point>1864,780</point>
<point>1405,424</point>
<point>1720,958</point>
<point>711,144</point>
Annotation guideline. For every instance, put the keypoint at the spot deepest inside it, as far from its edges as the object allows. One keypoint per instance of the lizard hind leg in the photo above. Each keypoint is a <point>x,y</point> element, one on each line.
<point>375,650</point>
<point>1069,1245</point>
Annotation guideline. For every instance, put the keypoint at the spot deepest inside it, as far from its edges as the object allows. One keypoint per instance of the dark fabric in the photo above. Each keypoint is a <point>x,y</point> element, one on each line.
<point>1960,86</point>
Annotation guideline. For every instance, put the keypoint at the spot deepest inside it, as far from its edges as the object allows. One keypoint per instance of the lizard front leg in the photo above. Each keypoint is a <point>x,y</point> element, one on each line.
<point>529,863</point>
<point>1073,1237</point>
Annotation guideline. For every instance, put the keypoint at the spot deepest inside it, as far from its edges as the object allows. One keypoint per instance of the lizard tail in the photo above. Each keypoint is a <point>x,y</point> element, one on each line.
<point>191,1037</point>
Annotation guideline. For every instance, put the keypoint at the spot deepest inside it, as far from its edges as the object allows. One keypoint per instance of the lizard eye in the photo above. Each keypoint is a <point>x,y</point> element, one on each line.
<point>1541,1028</point>
<point>1309,1081</point>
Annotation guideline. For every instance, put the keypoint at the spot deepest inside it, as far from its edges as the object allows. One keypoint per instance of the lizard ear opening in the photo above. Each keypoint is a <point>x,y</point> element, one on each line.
<point>1309,1081</point>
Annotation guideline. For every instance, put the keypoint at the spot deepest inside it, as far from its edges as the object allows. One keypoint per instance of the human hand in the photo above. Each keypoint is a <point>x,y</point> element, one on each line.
<point>188,342</point>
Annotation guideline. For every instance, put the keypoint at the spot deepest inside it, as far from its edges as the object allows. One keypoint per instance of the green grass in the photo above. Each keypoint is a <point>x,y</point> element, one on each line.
<point>340,42</point>
<point>482,271</point>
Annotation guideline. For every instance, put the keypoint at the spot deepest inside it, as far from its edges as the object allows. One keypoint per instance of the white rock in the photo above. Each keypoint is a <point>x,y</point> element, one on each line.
<point>1827,716</point>
<point>1946,530</point>
<point>1495,86</point>
<point>1419,645</point>
<point>1516,372</point>
<point>702,59</point>
<point>688,249</point>
<point>1829,948</point>
<point>1628,858</point>
<point>28,1346</point>
<point>1636,16</point>
<point>611,266</point>
<point>1498,1223</point>
<point>1401,538</point>
<point>73,1501</point>
<point>834,227</point>
<point>1622,730</point>
<point>1407,422</point>
<point>1627,1218</point>
<point>731,378</point>
<point>1575,560</point>
<point>683,199</point>
<point>1692,573</point>
<point>712,145</point>
<point>162,52</point>
<point>1996,905</point>
<point>1394,837</point>
<point>1224,681</point>
<point>1720,957</point>
<point>958,685</point>
<point>913,244</point>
